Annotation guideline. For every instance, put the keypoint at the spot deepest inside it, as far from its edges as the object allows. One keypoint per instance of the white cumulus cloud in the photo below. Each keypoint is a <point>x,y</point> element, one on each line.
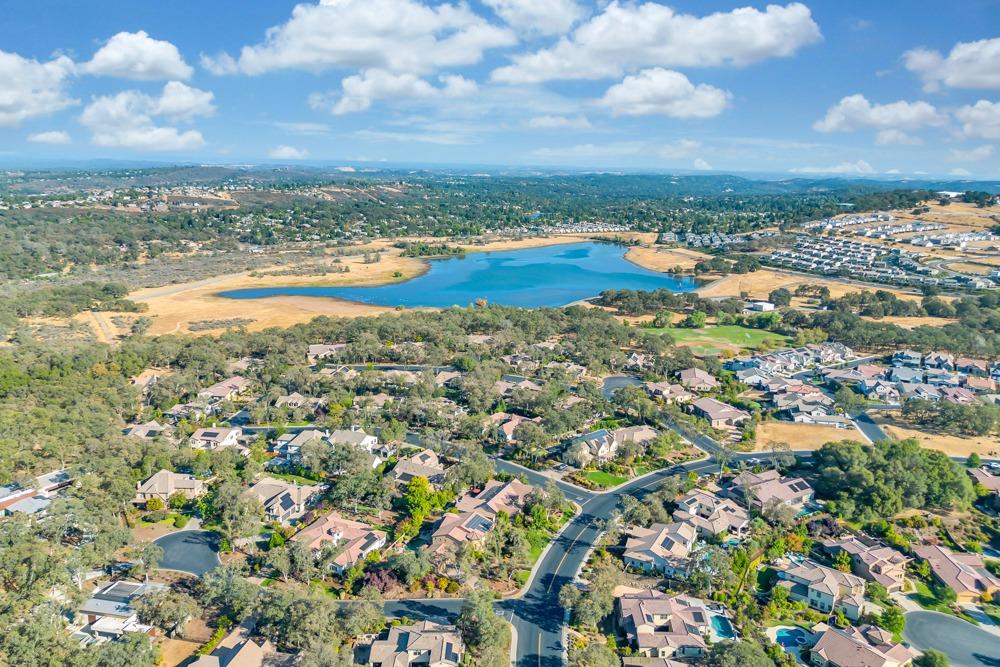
<point>659,91</point>
<point>393,35</point>
<point>551,17</point>
<point>968,65</point>
<point>959,171</point>
<point>50,137</point>
<point>980,120</point>
<point>29,88</point>
<point>627,36</point>
<point>285,152</point>
<point>553,122</point>
<point>859,167</point>
<point>129,119</point>
<point>702,165</point>
<point>360,91</point>
<point>136,55</point>
<point>893,121</point>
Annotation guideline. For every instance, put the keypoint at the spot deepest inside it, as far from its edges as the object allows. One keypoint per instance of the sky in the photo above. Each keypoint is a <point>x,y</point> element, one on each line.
<point>888,88</point>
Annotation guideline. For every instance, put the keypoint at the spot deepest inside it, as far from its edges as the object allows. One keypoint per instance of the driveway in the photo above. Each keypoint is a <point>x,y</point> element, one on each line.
<point>963,643</point>
<point>192,551</point>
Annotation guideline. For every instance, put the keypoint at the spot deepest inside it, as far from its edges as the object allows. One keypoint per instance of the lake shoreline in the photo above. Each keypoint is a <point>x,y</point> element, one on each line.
<point>536,277</point>
<point>173,307</point>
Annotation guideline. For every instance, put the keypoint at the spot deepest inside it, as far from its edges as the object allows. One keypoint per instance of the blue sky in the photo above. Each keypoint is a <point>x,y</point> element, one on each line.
<point>848,87</point>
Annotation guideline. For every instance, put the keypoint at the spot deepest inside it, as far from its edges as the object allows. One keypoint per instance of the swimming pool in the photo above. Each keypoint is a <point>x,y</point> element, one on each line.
<point>791,637</point>
<point>723,627</point>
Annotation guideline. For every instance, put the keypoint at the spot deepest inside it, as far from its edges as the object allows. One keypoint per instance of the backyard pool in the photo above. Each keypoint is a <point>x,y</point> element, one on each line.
<point>723,627</point>
<point>792,637</point>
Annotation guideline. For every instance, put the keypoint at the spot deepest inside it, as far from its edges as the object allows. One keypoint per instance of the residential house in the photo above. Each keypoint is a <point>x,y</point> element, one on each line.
<point>905,374</point>
<point>372,401</point>
<point>969,366</point>
<point>507,385</point>
<point>295,400</point>
<point>323,351</point>
<point>663,547</point>
<point>769,486</point>
<point>697,379</point>
<point>505,424</point>
<point>642,435</point>
<point>226,390</point>
<point>861,646</point>
<point>719,414</point>
<point>669,392</point>
<point>941,360</point>
<point>477,513</point>
<point>283,501</point>
<point>661,626</point>
<point>918,390</point>
<point>964,573</point>
<point>873,561</point>
<point>601,444</point>
<point>108,613</point>
<point>357,438</point>
<point>165,483</point>
<point>238,649</point>
<point>958,395</point>
<point>711,515</point>
<point>193,411</point>
<point>423,643</point>
<point>909,358</point>
<point>758,306</point>
<point>287,447</point>
<point>424,463</point>
<point>943,378</point>
<point>357,539</point>
<point>880,390</point>
<point>990,482</point>
<point>33,499</point>
<point>148,431</point>
<point>215,438</point>
<point>980,385</point>
<point>823,588</point>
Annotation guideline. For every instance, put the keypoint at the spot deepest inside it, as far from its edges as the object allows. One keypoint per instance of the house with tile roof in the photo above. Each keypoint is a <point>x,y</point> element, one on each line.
<point>711,515</point>
<point>166,483</point>
<point>423,643</point>
<point>769,486</point>
<point>861,646</point>
<point>823,588</point>
<point>283,501</point>
<point>663,547</point>
<point>661,626</point>
<point>477,514</point>
<point>697,379</point>
<point>872,560</point>
<point>424,463</point>
<point>964,573</point>
<point>356,539</point>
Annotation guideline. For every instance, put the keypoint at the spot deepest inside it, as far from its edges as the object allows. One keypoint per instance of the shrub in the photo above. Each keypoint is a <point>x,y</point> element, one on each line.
<point>180,521</point>
<point>154,504</point>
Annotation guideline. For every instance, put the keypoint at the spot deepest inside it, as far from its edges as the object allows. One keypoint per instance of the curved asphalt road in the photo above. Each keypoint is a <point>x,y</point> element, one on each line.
<point>963,643</point>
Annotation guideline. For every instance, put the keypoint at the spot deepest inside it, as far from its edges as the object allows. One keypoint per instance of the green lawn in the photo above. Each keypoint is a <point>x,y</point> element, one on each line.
<point>719,337</point>
<point>604,479</point>
<point>925,597</point>
<point>297,479</point>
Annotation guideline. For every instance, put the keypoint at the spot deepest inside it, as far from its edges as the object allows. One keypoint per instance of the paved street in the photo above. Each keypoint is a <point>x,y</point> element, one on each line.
<point>963,643</point>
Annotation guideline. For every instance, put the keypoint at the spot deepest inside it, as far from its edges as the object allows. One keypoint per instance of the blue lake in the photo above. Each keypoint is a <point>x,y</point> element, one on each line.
<point>531,278</point>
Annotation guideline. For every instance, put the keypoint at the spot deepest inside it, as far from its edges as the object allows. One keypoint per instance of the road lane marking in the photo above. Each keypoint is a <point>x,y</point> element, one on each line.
<point>539,648</point>
<point>555,572</point>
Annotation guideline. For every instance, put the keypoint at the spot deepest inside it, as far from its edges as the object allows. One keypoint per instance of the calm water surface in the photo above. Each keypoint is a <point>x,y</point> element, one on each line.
<point>531,278</point>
